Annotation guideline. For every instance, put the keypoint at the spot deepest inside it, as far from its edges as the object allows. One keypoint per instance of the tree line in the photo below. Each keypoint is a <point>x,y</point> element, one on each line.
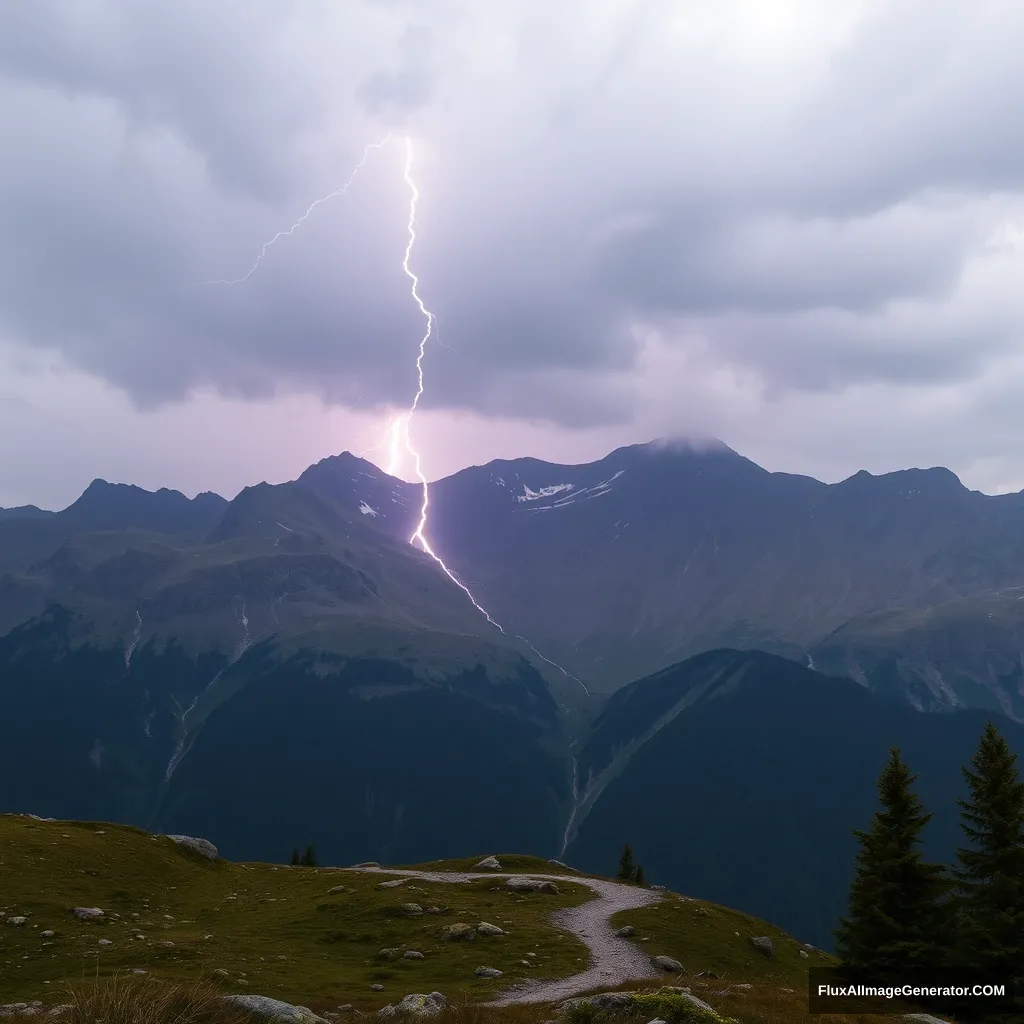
<point>910,919</point>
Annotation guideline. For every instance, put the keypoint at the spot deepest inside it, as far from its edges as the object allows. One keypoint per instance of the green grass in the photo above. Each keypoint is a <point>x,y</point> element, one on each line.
<point>278,928</point>
<point>279,931</point>
<point>703,937</point>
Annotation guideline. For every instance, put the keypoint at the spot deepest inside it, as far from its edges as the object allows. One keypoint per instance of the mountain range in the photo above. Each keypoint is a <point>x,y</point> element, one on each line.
<point>670,646</point>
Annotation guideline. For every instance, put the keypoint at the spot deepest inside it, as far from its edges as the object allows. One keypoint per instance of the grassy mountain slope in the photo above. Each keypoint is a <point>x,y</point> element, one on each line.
<point>314,935</point>
<point>755,755</point>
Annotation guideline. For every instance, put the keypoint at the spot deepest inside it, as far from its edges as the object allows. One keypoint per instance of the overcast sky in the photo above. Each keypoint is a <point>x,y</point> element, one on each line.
<point>793,225</point>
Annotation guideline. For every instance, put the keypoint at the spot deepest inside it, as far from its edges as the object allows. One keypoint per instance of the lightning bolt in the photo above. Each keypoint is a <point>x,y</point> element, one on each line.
<point>379,144</point>
<point>401,424</point>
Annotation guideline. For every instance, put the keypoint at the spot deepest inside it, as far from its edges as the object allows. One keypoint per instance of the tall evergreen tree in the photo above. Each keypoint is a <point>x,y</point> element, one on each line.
<point>898,923</point>
<point>309,857</point>
<point>640,877</point>
<point>626,866</point>
<point>990,871</point>
<point>295,855</point>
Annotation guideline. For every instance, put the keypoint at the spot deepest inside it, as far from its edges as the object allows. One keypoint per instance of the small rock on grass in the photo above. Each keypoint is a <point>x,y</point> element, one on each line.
<point>415,1005</point>
<point>488,864</point>
<point>88,913</point>
<point>274,1011</point>
<point>666,963</point>
<point>488,972</point>
<point>201,846</point>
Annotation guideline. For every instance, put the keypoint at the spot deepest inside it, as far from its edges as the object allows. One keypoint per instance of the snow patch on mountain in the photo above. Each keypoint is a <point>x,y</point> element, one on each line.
<point>544,492</point>
<point>604,487</point>
<point>366,510</point>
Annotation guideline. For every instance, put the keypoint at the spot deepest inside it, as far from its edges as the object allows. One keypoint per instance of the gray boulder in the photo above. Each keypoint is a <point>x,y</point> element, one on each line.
<point>518,883</point>
<point>17,922</point>
<point>458,932</point>
<point>562,864</point>
<point>626,932</point>
<point>488,972</point>
<point>415,1005</point>
<point>486,928</point>
<point>273,1011</point>
<point>411,909</point>
<point>666,963</point>
<point>763,945</point>
<point>88,913</point>
<point>413,954</point>
<point>488,864</point>
<point>803,954</point>
<point>201,846</point>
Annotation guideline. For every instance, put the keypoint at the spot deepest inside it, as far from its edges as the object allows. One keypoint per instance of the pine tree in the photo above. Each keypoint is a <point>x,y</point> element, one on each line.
<point>990,872</point>
<point>295,855</point>
<point>626,865</point>
<point>898,920</point>
<point>309,857</point>
<point>639,877</point>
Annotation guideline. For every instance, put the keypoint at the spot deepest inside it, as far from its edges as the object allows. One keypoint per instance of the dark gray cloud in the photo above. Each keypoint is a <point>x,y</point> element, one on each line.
<point>810,191</point>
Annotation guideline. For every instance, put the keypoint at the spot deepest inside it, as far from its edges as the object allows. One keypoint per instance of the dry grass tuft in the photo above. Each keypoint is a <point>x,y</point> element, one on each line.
<point>130,999</point>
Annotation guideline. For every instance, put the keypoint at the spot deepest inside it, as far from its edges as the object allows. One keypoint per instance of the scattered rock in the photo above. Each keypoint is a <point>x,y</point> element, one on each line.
<point>388,954</point>
<point>201,846</point>
<point>488,864</point>
<point>336,889</point>
<point>458,932</point>
<point>17,922</point>
<point>221,973</point>
<point>626,932</point>
<point>803,954</point>
<point>560,864</point>
<point>763,945</point>
<point>735,990</point>
<point>415,1005</point>
<point>485,928</point>
<point>88,913</point>
<point>698,1003</point>
<point>413,954</point>
<point>488,972</point>
<point>393,883</point>
<point>367,864</point>
<point>47,934</point>
<point>666,963</point>
<point>104,942</point>
<point>658,888</point>
<point>377,988</point>
<point>273,1010</point>
<point>520,884</point>
<point>411,909</point>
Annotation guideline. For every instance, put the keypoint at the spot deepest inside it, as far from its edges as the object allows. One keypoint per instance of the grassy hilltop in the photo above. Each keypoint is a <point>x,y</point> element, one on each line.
<point>317,936</point>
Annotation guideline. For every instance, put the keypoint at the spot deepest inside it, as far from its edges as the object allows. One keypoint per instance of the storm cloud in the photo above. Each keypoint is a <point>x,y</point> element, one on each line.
<point>633,217</point>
